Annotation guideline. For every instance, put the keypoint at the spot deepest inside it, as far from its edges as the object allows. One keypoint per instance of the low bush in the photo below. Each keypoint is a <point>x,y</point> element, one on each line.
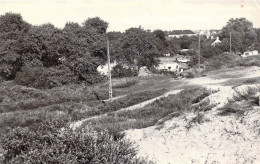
<point>17,97</point>
<point>223,61</point>
<point>125,84</point>
<point>157,112</point>
<point>129,100</point>
<point>231,108</point>
<point>53,144</point>
<point>41,77</point>
<point>119,72</point>
<point>180,103</point>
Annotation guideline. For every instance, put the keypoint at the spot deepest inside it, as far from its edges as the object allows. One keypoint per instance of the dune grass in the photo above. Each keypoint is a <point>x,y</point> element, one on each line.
<point>157,112</point>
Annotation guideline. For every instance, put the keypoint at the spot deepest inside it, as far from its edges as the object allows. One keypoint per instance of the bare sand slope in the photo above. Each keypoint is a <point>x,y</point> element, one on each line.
<point>224,140</point>
<point>219,139</point>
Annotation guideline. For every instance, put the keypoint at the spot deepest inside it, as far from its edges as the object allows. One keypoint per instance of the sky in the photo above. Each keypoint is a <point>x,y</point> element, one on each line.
<point>150,14</point>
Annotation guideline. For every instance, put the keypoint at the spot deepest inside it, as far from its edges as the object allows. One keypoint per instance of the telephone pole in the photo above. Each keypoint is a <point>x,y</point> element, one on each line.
<point>109,73</point>
<point>230,41</point>
<point>199,51</point>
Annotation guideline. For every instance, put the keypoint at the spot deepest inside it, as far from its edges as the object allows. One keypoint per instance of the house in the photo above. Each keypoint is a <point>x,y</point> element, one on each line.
<point>103,69</point>
<point>183,59</point>
<point>168,64</point>
<point>180,33</point>
<point>250,53</point>
<point>211,41</point>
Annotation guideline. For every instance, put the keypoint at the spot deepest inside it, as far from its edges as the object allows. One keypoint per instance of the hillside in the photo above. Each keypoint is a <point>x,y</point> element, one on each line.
<point>191,114</point>
<point>226,132</point>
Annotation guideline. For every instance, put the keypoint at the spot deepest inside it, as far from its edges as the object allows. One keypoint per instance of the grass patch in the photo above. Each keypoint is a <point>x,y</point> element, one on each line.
<point>241,102</point>
<point>156,113</point>
<point>231,108</point>
<point>126,101</point>
<point>238,82</point>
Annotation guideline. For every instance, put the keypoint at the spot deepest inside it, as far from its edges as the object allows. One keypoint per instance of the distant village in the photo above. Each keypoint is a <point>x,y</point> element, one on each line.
<point>175,62</point>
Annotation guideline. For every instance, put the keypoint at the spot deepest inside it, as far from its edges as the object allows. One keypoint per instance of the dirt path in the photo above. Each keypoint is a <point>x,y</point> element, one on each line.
<point>77,124</point>
<point>219,139</point>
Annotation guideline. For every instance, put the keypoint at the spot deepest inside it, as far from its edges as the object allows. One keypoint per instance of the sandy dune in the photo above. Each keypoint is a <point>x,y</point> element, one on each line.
<point>219,139</point>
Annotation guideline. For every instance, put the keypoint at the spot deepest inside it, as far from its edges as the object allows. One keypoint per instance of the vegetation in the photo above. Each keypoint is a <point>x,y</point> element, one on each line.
<point>49,78</point>
<point>241,103</point>
<point>126,101</point>
<point>243,35</point>
<point>157,112</point>
<point>51,144</point>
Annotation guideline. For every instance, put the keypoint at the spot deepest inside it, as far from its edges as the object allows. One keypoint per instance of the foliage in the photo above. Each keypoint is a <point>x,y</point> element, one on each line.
<point>127,101</point>
<point>139,47</point>
<point>242,34</point>
<point>12,32</point>
<point>125,84</point>
<point>209,52</point>
<point>156,112</point>
<point>75,50</point>
<point>119,71</point>
<point>223,61</point>
<point>51,144</point>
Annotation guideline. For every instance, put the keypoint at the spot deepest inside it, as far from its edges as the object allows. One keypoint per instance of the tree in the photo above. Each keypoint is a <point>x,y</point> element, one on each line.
<point>185,42</point>
<point>12,32</point>
<point>97,23</point>
<point>209,52</point>
<point>257,31</point>
<point>160,42</point>
<point>139,46</point>
<point>242,34</point>
<point>159,34</point>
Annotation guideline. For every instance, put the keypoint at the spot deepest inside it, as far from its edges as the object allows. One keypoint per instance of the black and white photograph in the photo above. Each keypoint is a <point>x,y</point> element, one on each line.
<point>129,81</point>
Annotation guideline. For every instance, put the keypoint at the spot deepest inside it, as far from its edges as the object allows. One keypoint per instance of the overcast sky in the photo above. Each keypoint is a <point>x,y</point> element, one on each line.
<point>150,14</point>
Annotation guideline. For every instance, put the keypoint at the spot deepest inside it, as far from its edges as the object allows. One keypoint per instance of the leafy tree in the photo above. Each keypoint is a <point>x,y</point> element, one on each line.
<point>97,23</point>
<point>139,46</point>
<point>159,34</point>
<point>12,32</point>
<point>209,52</point>
<point>257,31</point>
<point>242,33</point>
<point>173,45</point>
<point>160,42</point>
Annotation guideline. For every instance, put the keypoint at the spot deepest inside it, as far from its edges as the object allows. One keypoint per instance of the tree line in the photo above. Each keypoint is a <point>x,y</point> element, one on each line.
<point>47,56</point>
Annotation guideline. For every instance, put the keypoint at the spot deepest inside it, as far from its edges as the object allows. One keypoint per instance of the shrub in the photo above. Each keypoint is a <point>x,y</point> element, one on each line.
<point>125,84</point>
<point>156,113</point>
<point>209,52</point>
<point>52,144</point>
<point>119,72</point>
<point>129,100</point>
<point>223,61</point>
<point>41,77</point>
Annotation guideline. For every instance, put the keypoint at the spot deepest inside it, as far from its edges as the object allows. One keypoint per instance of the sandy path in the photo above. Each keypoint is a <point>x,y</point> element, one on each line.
<point>77,124</point>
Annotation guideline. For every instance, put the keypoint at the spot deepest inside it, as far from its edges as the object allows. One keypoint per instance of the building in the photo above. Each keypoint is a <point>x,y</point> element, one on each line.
<point>103,69</point>
<point>211,41</point>
<point>168,64</point>
<point>183,59</point>
<point>250,53</point>
<point>180,33</point>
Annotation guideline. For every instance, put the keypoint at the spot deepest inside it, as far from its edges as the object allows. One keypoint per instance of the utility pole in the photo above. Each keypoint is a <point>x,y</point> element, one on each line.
<point>109,73</point>
<point>230,41</point>
<point>199,51</point>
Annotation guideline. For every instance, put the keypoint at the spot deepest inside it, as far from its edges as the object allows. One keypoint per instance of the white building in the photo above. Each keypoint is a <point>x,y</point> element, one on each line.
<point>180,35</point>
<point>217,41</point>
<point>103,69</point>
<point>168,64</point>
<point>250,53</point>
